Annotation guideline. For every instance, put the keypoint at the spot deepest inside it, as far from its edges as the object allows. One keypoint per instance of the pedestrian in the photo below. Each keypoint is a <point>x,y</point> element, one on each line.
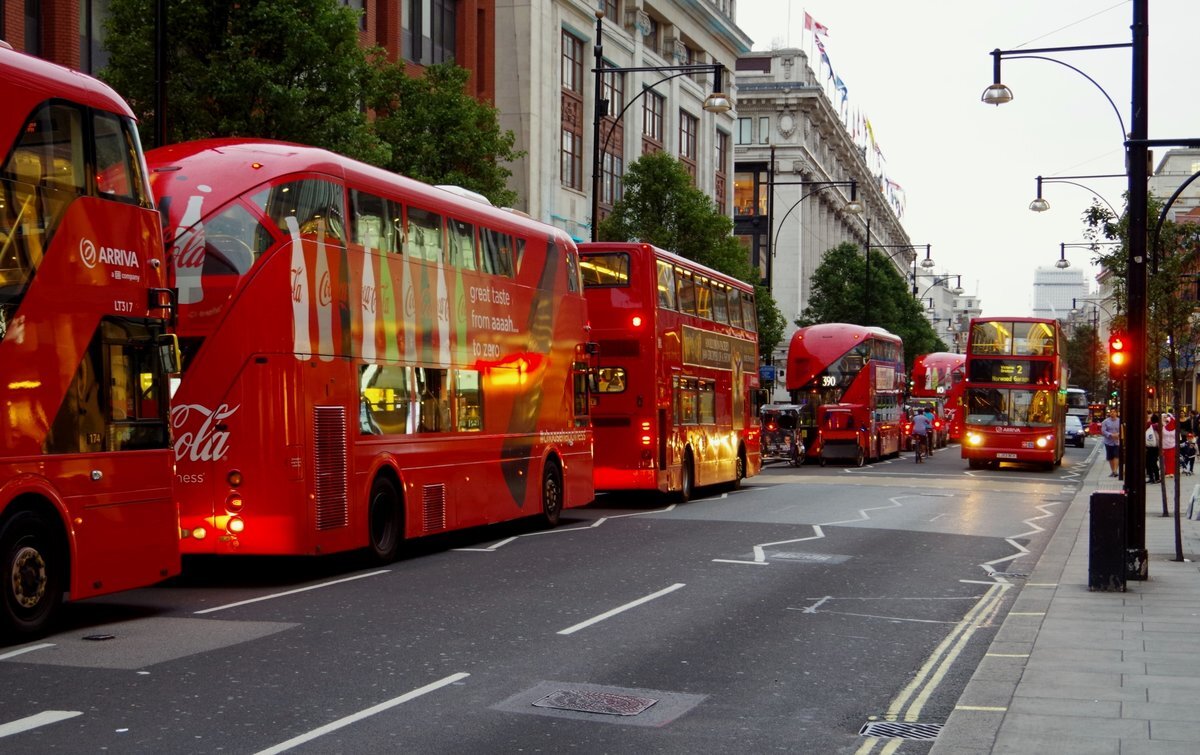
<point>1187,453</point>
<point>1110,433</point>
<point>920,434</point>
<point>1187,423</point>
<point>1168,443</point>
<point>1153,442</point>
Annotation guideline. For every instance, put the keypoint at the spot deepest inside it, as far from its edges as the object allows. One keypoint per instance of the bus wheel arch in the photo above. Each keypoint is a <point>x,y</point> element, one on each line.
<point>385,517</point>
<point>552,491</point>
<point>34,566</point>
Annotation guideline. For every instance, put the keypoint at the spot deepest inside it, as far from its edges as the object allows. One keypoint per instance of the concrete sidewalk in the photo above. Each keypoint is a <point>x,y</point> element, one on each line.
<point>1074,671</point>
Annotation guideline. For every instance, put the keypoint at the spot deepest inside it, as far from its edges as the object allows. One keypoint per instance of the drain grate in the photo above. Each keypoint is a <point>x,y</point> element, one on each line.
<point>1010,574</point>
<point>900,730</point>
<point>608,703</point>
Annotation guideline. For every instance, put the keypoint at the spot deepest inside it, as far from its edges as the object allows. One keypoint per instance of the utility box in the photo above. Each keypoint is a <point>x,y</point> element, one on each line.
<point>1107,529</point>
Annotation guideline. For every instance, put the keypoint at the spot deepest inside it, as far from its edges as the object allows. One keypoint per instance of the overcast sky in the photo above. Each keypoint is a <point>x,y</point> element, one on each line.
<point>917,69</point>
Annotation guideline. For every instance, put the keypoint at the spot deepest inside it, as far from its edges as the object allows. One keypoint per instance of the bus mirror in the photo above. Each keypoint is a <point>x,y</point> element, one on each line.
<point>591,348</point>
<point>168,353</point>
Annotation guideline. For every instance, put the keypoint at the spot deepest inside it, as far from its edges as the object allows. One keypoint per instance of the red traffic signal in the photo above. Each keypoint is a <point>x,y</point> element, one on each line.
<point>1118,352</point>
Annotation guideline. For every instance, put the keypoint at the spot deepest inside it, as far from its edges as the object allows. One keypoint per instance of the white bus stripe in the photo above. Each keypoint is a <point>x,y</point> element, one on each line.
<point>620,609</point>
<point>355,717</point>
<point>292,592</point>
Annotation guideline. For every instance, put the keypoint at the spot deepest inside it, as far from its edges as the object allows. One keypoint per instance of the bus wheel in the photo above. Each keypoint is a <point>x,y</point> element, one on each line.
<point>975,464</point>
<point>32,574</point>
<point>552,494</point>
<point>688,480</point>
<point>385,521</point>
<point>739,469</point>
<point>861,458</point>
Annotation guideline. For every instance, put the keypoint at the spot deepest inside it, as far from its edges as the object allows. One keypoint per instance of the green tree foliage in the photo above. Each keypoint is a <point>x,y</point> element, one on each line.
<point>660,206</point>
<point>1086,358</point>
<point>279,70</point>
<point>440,135</point>
<point>294,70</point>
<point>842,293</point>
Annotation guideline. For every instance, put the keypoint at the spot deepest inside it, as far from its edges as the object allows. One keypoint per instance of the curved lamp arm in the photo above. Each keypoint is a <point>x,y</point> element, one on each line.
<point>1162,217</point>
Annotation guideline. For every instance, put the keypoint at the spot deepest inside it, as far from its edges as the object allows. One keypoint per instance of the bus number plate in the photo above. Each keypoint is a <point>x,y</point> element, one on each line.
<point>1005,456</point>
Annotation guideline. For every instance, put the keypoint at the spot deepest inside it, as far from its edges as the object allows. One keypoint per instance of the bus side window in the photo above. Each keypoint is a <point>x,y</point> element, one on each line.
<point>573,280</point>
<point>687,292</point>
<point>468,401</point>
<point>233,240</point>
<point>433,406</point>
<point>384,399</point>
<point>496,249</point>
<point>704,297</point>
<point>316,205</point>
<point>749,315</point>
<point>117,175</point>
<point>424,238</point>
<point>372,226</point>
<point>721,303</point>
<point>666,285</point>
<point>462,244</point>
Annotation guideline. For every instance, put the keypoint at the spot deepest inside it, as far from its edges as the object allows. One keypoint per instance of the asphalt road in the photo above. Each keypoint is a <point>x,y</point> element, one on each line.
<point>783,616</point>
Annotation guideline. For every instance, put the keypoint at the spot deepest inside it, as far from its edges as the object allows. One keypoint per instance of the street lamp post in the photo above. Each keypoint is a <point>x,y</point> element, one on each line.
<point>717,102</point>
<point>853,207</point>
<point>1041,205</point>
<point>1136,145</point>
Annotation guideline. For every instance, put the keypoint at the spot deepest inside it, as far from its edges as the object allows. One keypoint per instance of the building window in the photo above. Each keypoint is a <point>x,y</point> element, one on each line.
<point>357,7</point>
<point>612,145</point>
<point>613,89</point>
<point>720,187</point>
<point>612,169</point>
<point>745,131</point>
<point>652,121</point>
<point>611,9</point>
<point>572,62</point>
<point>764,130</point>
<point>428,30</point>
<point>689,127</point>
<point>572,160</point>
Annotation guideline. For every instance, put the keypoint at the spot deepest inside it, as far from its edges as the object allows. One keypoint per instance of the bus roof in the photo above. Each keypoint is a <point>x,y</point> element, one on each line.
<point>29,80</point>
<point>601,246</point>
<point>229,167</point>
<point>939,359</point>
<point>834,338</point>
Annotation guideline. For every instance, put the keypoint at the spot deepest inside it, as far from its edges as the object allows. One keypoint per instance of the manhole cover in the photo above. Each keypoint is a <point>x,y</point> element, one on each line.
<point>900,730</point>
<point>607,703</point>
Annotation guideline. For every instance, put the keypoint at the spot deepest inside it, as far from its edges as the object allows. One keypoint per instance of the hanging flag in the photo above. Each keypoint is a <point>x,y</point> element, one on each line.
<point>816,27</point>
<point>840,86</point>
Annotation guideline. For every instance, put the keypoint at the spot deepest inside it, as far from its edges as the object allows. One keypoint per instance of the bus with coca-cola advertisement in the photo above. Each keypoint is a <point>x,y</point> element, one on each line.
<point>677,389</point>
<point>937,382</point>
<point>85,470</point>
<point>367,358</point>
<point>861,369</point>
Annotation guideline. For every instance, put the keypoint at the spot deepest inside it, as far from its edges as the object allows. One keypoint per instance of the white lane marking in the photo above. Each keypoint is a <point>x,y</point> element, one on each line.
<point>561,530</point>
<point>877,616</point>
<point>620,609</point>
<point>22,651</point>
<point>735,561</point>
<point>355,717</point>
<point>939,516</point>
<point>986,708</point>
<point>813,608</point>
<point>761,555</point>
<point>292,592</point>
<point>1012,539</point>
<point>32,722</point>
<point>1007,655</point>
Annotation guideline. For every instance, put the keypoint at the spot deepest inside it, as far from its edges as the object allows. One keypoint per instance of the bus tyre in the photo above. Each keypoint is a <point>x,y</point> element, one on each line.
<point>861,458</point>
<point>975,464</point>
<point>385,521</point>
<point>32,573</point>
<point>739,469</point>
<point>552,494</point>
<point>687,479</point>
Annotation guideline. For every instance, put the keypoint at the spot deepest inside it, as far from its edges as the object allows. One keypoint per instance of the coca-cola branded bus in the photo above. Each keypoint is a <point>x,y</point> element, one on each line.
<point>366,358</point>
<point>840,363</point>
<point>677,387</point>
<point>1015,393</point>
<point>937,383</point>
<point>85,467</point>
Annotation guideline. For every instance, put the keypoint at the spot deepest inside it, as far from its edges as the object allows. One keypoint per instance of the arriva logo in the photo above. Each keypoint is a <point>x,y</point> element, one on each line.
<point>107,254</point>
<point>87,253</point>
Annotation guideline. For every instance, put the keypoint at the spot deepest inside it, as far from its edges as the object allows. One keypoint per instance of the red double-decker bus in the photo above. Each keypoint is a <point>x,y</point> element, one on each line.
<point>85,467</point>
<point>677,388</point>
<point>938,381</point>
<point>1015,396</point>
<point>366,358</point>
<point>855,366</point>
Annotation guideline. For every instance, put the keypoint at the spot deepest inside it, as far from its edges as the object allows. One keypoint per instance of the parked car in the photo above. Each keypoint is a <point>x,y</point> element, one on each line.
<point>1075,432</point>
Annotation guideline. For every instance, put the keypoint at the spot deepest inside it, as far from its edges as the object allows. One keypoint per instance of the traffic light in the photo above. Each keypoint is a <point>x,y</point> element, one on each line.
<point>1118,355</point>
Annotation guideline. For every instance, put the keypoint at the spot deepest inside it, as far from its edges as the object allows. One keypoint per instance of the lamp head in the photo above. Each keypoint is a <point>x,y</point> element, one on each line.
<point>958,290</point>
<point>1039,205</point>
<point>928,263</point>
<point>717,102</point>
<point>1062,263</point>
<point>854,207</point>
<point>997,94</point>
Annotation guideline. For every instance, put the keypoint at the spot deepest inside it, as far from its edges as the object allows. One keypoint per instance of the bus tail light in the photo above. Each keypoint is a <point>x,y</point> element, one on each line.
<point>636,321</point>
<point>199,533</point>
<point>235,525</point>
<point>234,503</point>
<point>234,478</point>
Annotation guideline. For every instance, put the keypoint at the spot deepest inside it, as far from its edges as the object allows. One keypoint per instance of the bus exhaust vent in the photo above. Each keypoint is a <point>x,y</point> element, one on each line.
<point>329,466</point>
<point>620,348</point>
<point>900,730</point>
<point>434,507</point>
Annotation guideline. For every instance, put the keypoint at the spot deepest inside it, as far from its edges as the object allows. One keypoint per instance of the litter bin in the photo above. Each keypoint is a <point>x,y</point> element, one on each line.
<point>1106,552</point>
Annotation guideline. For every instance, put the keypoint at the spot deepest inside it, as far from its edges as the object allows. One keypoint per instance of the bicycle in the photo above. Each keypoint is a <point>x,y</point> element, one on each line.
<point>918,442</point>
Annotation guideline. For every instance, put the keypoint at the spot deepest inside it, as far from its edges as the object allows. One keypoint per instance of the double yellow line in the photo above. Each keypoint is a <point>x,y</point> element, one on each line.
<point>908,704</point>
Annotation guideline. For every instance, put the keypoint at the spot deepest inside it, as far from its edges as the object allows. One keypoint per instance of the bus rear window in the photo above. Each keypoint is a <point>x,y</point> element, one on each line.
<point>605,270</point>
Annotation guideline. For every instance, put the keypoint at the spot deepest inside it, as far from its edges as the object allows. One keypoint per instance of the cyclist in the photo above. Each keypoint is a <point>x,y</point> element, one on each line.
<point>920,433</point>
